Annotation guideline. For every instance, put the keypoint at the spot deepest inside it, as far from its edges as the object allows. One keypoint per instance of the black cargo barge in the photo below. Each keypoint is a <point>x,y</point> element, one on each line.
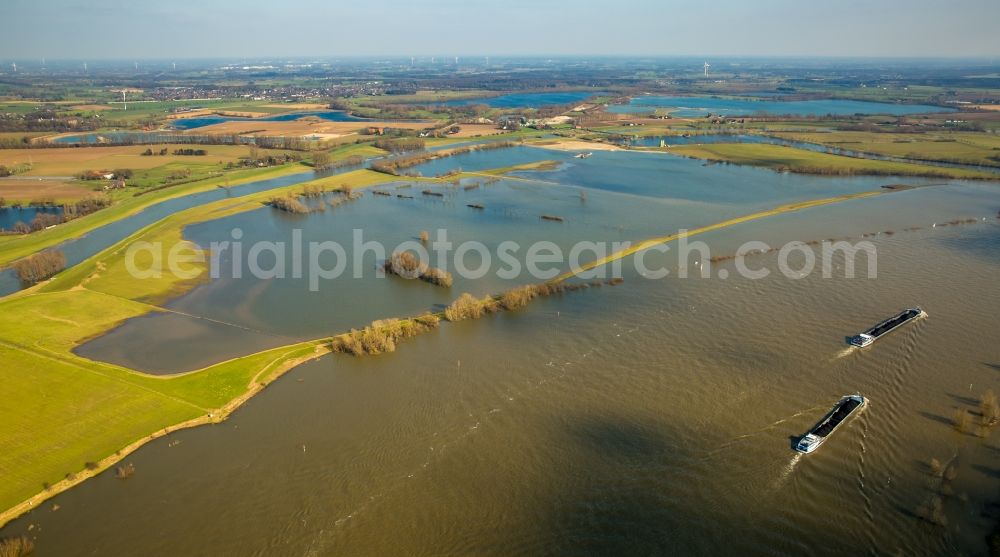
<point>819,433</point>
<point>885,327</point>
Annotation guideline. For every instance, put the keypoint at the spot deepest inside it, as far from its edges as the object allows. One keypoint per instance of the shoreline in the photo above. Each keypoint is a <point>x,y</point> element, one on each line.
<point>322,347</point>
<point>577,145</point>
<point>145,202</point>
<point>216,416</point>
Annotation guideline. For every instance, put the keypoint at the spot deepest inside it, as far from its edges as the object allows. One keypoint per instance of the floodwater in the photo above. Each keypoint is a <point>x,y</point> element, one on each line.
<point>528,100</point>
<point>202,121</point>
<point>609,197</point>
<point>695,107</point>
<point>651,418</point>
<point>9,216</point>
<point>83,247</point>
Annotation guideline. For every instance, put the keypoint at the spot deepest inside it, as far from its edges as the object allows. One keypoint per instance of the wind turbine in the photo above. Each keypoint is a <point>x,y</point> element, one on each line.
<point>136,66</point>
<point>14,65</point>
<point>175,65</point>
<point>707,65</point>
<point>456,60</point>
<point>84,67</point>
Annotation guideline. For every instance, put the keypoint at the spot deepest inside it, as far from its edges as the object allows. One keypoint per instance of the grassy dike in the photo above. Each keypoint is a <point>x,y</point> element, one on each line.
<point>69,418</point>
<point>66,417</point>
<point>13,248</point>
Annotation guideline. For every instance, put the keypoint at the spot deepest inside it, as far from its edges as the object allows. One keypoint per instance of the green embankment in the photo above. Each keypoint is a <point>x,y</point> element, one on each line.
<point>127,203</point>
<point>790,159</point>
<point>13,248</point>
<point>956,147</point>
<point>64,411</point>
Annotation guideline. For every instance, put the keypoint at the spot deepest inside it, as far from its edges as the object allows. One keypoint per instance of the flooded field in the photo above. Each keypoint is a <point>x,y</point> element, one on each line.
<point>654,417</point>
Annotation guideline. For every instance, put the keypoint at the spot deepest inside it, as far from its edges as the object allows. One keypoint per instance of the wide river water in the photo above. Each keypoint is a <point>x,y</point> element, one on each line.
<point>651,418</point>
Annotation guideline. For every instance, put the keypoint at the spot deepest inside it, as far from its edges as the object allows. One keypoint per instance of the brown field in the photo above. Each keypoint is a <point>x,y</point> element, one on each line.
<point>303,127</point>
<point>298,106</point>
<point>72,161</point>
<point>995,107</point>
<point>473,130</point>
<point>27,189</point>
<point>570,145</point>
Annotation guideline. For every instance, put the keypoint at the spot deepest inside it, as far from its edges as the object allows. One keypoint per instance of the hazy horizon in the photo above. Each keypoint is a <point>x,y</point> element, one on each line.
<point>253,29</point>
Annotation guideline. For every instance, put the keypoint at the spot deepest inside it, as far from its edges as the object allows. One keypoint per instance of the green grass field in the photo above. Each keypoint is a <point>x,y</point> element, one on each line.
<point>63,410</point>
<point>960,147</point>
<point>781,158</point>
<point>13,248</point>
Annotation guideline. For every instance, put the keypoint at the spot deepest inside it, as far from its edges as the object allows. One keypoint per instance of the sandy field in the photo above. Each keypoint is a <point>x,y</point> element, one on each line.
<point>571,145</point>
<point>27,189</point>
<point>472,130</point>
<point>298,106</point>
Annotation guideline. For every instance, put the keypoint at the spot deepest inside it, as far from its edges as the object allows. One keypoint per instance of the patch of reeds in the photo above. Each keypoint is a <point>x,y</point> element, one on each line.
<point>517,298</point>
<point>471,187</point>
<point>40,266</point>
<point>432,193</point>
<point>124,471</point>
<point>555,218</point>
<point>288,204</point>
<point>933,511</point>
<point>449,174</point>
<point>407,265</point>
<point>383,336</point>
<point>962,421</point>
<point>312,191</point>
<point>989,410</point>
<point>467,306</point>
<point>395,165</point>
<point>382,193</point>
<point>17,546</point>
<point>437,277</point>
<point>401,196</point>
<point>477,206</point>
<point>346,196</point>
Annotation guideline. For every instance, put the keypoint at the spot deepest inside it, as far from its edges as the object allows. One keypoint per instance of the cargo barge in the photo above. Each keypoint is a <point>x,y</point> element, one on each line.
<point>866,338</point>
<point>844,409</point>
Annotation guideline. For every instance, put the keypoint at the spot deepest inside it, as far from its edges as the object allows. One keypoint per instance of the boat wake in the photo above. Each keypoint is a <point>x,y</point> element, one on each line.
<point>724,447</point>
<point>786,472</point>
<point>847,351</point>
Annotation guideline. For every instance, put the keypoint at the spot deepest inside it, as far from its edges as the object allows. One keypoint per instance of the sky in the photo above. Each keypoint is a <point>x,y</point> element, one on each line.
<point>136,29</point>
